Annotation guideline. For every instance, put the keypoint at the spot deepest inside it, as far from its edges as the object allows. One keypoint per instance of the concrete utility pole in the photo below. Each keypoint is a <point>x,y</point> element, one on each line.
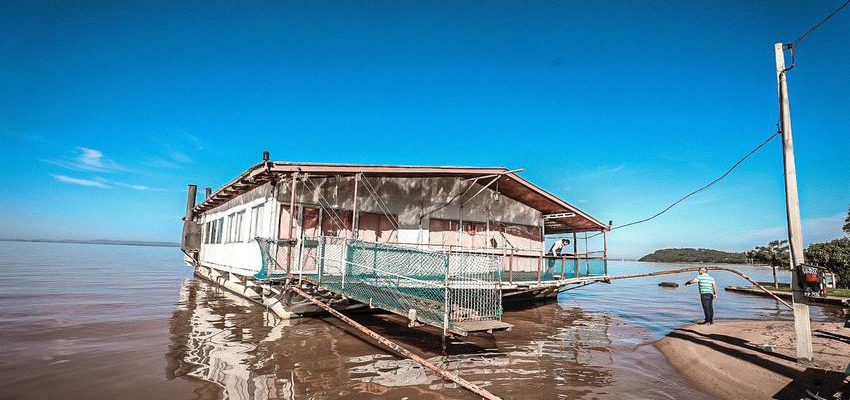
<point>802,323</point>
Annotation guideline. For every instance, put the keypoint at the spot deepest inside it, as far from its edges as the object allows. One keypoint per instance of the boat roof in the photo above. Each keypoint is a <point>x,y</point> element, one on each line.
<point>560,216</point>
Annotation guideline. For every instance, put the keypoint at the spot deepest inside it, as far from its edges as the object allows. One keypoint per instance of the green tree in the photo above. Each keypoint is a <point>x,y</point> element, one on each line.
<point>834,256</point>
<point>846,226</point>
<point>775,254</point>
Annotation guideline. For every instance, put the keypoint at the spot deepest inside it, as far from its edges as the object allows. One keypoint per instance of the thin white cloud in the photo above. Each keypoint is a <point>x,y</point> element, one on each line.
<point>88,159</point>
<point>603,172</point>
<point>81,182</point>
<point>137,187</point>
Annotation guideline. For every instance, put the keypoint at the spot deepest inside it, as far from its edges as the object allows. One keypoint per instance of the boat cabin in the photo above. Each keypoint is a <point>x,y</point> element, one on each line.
<point>483,210</point>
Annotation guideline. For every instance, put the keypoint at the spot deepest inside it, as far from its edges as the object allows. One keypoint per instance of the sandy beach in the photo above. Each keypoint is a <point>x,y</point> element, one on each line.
<point>756,360</point>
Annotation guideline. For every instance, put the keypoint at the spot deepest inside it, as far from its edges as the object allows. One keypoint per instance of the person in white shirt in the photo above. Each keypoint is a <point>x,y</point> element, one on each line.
<point>559,245</point>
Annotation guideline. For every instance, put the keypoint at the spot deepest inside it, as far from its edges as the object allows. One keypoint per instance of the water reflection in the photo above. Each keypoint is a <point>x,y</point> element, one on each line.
<point>214,339</point>
<point>555,350</point>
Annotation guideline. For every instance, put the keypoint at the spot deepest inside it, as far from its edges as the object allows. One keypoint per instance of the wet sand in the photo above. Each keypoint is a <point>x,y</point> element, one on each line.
<point>731,360</point>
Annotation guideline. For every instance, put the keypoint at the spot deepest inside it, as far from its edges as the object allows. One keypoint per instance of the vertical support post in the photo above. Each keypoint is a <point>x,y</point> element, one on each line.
<point>190,240</point>
<point>207,193</point>
<point>355,215</point>
<point>539,269</point>
<point>301,246</point>
<point>605,250</point>
<point>543,244</point>
<point>446,301</point>
<point>292,188</point>
<point>563,267</point>
<point>802,323</point>
<point>190,202</point>
<point>575,253</point>
<point>511,267</point>
<point>460,226</point>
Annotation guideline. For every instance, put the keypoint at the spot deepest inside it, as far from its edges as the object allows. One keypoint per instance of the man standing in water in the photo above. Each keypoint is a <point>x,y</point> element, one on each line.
<point>707,293</point>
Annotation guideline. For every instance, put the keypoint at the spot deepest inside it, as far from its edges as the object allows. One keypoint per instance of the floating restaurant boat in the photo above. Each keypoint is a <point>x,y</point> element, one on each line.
<point>441,246</point>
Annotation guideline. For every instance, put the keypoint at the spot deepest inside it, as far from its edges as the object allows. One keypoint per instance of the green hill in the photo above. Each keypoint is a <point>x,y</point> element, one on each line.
<point>695,255</point>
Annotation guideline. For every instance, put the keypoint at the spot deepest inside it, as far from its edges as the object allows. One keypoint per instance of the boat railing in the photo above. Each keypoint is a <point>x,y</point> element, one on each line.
<point>533,266</point>
<point>517,266</point>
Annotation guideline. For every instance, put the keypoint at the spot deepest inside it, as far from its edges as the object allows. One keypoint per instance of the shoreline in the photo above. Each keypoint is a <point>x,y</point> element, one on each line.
<point>755,359</point>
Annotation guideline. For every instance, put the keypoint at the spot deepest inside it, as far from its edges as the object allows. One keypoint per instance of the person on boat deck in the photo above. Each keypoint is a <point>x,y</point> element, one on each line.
<point>707,293</point>
<point>559,245</point>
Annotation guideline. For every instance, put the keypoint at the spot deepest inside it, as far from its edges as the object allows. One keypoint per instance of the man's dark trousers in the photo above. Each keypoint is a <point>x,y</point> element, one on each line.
<point>707,300</point>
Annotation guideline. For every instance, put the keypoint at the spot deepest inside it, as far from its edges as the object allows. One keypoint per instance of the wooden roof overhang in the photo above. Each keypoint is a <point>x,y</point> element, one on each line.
<point>559,216</point>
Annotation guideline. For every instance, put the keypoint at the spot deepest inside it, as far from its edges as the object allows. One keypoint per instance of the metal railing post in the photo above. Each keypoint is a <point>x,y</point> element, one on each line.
<point>446,300</point>
<point>511,267</point>
<point>539,269</point>
<point>578,270</point>
<point>563,268</point>
<point>605,251</point>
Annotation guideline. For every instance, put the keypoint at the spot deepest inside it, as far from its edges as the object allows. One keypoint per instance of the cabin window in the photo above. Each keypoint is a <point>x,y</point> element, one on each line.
<point>516,236</point>
<point>475,234</point>
<point>234,227</point>
<point>310,222</point>
<point>219,224</point>
<point>212,231</point>
<point>238,231</point>
<point>444,232</point>
<point>255,222</point>
<point>377,227</point>
<point>229,236</point>
<point>336,222</point>
<point>207,233</point>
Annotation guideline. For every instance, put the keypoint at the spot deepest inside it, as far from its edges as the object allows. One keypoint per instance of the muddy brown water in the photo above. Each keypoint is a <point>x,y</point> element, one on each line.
<point>123,322</point>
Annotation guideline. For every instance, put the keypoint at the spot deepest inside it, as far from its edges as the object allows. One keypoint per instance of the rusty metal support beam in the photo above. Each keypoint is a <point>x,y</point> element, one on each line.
<point>399,349</point>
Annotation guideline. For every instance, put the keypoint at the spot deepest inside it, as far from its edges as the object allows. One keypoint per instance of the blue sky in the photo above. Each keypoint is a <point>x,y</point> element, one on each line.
<point>108,109</point>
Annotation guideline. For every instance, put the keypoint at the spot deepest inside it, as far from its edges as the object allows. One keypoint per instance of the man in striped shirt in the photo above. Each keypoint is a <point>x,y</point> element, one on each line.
<point>707,293</point>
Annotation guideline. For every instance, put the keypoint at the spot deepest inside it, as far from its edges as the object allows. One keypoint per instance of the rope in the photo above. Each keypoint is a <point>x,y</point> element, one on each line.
<point>398,349</point>
<point>696,269</point>
<point>706,186</point>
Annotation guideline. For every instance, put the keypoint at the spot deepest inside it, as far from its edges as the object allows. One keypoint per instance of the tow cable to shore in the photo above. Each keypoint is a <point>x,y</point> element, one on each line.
<point>696,269</point>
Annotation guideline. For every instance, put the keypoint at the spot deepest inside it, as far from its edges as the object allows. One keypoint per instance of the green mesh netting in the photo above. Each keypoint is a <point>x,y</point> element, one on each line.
<point>441,287</point>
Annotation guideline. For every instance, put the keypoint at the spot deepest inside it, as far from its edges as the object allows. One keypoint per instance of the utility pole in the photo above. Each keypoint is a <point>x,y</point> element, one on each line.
<point>802,323</point>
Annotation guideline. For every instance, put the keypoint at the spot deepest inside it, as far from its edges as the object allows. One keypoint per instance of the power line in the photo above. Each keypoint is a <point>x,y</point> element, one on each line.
<point>792,46</point>
<point>710,184</point>
<point>805,35</point>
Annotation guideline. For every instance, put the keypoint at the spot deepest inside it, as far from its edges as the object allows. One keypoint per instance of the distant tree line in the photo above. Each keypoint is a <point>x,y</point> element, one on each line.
<point>691,255</point>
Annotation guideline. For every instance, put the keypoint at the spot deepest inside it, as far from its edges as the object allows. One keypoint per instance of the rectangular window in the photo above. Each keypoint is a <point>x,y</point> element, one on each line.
<point>219,229</point>
<point>442,232</point>
<point>518,236</point>
<point>240,228</point>
<point>212,231</point>
<point>229,236</point>
<point>255,222</point>
<point>336,222</point>
<point>377,227</point>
